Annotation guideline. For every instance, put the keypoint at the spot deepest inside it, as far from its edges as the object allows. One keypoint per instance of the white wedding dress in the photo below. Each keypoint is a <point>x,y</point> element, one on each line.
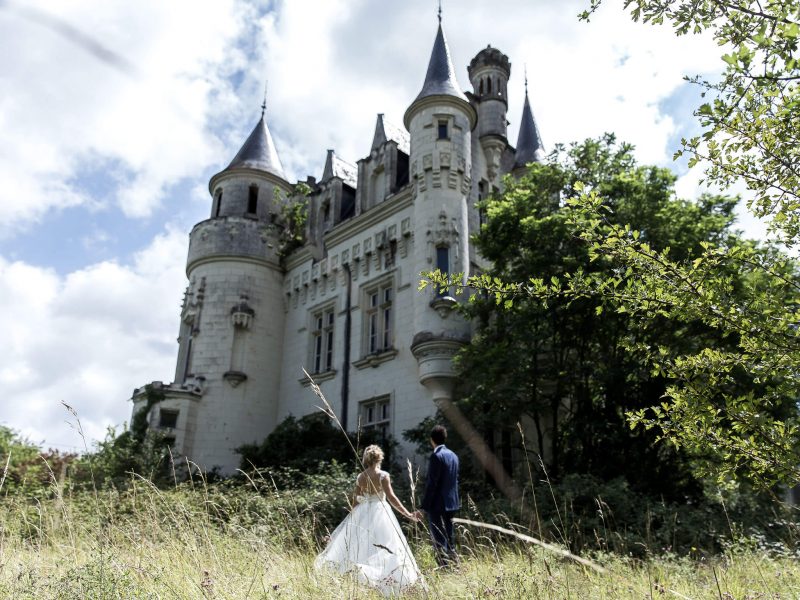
<point>370,544</point>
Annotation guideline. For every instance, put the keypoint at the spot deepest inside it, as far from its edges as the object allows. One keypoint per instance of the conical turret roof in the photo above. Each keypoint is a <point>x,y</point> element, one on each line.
<point>440,80</point>
<point>529,143</point>
<point>258,152</point>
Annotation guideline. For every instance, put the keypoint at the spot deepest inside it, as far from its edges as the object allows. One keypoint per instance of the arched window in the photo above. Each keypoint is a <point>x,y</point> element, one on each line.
<point>489,85</point>
<point>480,88</point>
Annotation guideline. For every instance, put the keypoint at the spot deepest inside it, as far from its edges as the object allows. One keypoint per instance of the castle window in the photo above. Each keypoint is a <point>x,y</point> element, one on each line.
<point>322,340</point>
<point>443,264</point>
<point>168,419</point>
<point>219,203</point>
<point>480,88</point>
<point>482,194</point>
<point>252,200</point>
<point>375,415</point>
<point>378,318</point>
<point>443,130</point>
<point>489,85</point>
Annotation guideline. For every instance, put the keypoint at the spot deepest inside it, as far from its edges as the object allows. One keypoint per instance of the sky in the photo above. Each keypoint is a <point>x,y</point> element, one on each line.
<point>114,115</point>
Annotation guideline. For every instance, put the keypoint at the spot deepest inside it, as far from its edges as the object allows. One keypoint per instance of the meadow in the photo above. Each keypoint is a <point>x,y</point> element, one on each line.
<point>257,538</point>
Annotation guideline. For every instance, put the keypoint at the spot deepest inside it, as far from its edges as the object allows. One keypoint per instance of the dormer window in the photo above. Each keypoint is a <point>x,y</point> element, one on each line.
<point>443,130</point>
<point>252,200</point>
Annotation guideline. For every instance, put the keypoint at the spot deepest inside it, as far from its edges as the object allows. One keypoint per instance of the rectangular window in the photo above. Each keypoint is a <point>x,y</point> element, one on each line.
<point>443,264</point>
<point>168,418</point>
<point>443,130</point>
<point>219,203</point>
<point>252,200</point>
<point>379,318</point>
<point>375,416</point>
<point>322,340</point>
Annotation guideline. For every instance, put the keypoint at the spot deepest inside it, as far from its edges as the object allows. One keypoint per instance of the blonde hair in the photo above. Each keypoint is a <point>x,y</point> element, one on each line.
<point>372,455</point>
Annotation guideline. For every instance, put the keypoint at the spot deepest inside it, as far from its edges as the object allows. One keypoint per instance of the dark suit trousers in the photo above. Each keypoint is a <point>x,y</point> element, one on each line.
<point>441,526</point>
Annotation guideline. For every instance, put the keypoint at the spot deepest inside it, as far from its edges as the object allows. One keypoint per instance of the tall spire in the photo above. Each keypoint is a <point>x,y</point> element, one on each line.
<point>529,143</point>
<point>440,78</point>
<point>258,151</point>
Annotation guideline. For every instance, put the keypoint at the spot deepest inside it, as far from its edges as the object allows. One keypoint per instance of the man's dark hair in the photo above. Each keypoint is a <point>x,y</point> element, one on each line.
<point>439,434</point>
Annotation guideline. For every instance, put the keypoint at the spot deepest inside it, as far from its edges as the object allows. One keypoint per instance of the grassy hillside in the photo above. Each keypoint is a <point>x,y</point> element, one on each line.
<point>254,541</point>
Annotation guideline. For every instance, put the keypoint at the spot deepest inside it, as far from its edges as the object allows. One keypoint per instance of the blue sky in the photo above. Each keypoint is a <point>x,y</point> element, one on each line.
<point>115,115</point>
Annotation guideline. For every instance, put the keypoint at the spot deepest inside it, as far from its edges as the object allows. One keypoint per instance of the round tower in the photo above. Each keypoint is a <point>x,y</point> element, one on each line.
<point>440,121</point>
<point>489,72</point>
<point>232,322</point>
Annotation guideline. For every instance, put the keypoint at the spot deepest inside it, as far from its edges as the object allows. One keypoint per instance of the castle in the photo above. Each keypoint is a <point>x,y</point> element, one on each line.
<point>345,304</point>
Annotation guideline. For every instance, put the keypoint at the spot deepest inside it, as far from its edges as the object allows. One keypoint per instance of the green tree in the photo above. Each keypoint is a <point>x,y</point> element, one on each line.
<point>134,450</point>
<point>573,366</point>
<point>713,317</point>
<point>751,121</point>
<point>27,470</point>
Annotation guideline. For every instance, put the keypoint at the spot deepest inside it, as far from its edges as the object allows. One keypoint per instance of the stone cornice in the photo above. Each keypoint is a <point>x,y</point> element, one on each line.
<point>245,171</point>
<point>441,100</point>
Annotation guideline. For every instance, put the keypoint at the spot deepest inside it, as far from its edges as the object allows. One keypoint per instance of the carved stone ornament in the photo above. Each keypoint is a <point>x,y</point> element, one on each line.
<point>242,315</point>
<point>444,233</point>
<point>443,305</point>
<point>234,377</point>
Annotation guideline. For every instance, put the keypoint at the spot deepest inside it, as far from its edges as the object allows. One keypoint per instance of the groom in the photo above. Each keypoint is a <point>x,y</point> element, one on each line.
<point>441,496</point>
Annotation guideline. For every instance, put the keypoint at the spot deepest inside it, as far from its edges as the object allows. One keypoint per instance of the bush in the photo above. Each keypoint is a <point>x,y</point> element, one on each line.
<point>307,444</point>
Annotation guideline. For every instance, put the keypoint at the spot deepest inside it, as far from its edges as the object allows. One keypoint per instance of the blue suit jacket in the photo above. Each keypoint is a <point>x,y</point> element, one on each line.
<point>441,485</point>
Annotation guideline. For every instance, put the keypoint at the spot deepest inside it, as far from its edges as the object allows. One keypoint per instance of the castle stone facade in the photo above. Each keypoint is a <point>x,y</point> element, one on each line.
<point>344,305</point>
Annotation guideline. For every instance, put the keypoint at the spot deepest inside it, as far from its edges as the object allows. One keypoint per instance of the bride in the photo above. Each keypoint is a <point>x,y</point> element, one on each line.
<point>369,542</point>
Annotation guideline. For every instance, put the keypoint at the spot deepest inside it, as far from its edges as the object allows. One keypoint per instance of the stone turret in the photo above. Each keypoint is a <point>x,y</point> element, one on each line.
<point>227,375</point>
<point>489,72</point>
<point>440,121</point>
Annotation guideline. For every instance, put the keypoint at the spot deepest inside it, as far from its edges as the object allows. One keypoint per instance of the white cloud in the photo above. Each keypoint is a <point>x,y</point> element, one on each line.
<point>87,339</point>
<point>95,86</point>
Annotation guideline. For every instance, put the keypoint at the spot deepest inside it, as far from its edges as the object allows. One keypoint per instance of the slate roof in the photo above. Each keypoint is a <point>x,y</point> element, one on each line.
<point>529,143</point>
<point>258,152</point>
<point>385,130</point>
<point>440,80</point>
<point>336,167</point>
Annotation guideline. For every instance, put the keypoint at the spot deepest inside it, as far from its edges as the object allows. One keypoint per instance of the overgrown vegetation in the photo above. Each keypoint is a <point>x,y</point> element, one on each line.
<point>309,444</point>
<point>634,308</point>
<point>257,538</point>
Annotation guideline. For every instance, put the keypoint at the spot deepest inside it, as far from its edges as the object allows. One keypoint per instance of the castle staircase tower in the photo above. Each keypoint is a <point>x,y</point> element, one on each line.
<point>489,72</point>
<point>440,122</point>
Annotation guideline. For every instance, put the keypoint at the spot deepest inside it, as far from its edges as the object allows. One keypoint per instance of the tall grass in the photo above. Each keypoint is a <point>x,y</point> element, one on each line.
<point>256,536</point>
<point>258,539</point>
